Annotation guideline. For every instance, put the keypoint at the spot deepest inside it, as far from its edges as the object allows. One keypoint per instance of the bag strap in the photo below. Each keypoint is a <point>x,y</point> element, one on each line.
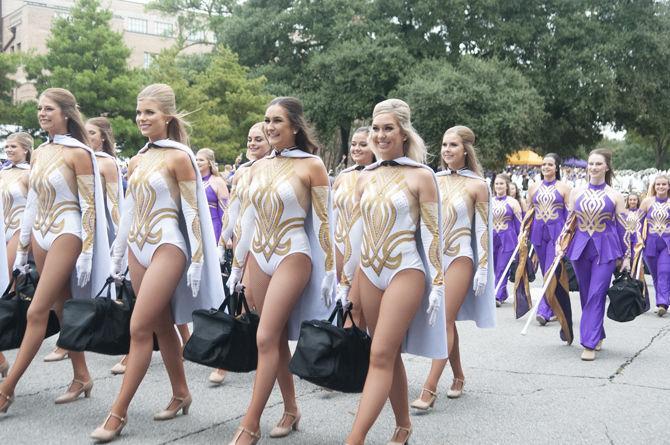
<point>8,294</point>
<point>347,314</point>
<point>108,287</point>
<point>241,302</point>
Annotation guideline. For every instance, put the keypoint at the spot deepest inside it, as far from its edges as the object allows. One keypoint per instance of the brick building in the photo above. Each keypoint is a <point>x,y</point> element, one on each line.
<point>26,24</point>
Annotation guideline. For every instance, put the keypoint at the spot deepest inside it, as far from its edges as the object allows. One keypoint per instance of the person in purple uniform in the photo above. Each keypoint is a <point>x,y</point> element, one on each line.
<point>598,242</point>
<point>634,218</point>
<point>215,187</point>
<point>506,224</point>
<point>548,199</point>
<point>657,243</point>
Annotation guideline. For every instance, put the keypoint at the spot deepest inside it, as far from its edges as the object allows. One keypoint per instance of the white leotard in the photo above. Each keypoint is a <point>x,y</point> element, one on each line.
<point>13,199</point>
<point>456,219</point>
<point>157,206</point>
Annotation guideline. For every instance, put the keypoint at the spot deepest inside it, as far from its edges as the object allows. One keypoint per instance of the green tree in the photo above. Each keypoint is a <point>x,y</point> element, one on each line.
<point>495,101</point>
<point>220,97</point>
<point>8,66</point>
<point>633,153</point>
<point>643,75</point>
<point>88,58</point>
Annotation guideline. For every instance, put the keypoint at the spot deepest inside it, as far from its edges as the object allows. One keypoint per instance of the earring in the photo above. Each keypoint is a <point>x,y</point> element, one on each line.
<point>167,123</point>
<point>295,132</point>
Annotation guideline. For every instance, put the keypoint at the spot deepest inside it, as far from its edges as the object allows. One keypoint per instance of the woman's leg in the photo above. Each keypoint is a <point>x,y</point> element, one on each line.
<point>663,281</point>
<point>459,276</point>
<point>184,333</point>
<point>55,268</point>
<point>281,293</point>
<point>12,245</point>
<point>154,288</point>
<point>546,251</point>
<point>389,320</point>
<point>591,327</point>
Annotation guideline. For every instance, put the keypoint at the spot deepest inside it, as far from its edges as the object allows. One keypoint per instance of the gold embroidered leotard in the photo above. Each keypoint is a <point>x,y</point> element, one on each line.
<point>14,196</point>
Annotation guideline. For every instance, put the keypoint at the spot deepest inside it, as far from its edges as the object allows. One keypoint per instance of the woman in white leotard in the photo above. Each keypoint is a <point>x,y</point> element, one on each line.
<point>14,188</point>
<point>344,190</point>
<point>401,284</point>
<point>64,218</point>
<point>257,147</point>
<point>291,256</point>
<point>171,252</point>
<point>467,238</point>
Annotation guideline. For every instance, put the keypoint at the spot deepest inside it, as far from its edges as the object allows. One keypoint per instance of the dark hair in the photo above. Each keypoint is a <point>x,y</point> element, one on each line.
<point>628,199</point>
<point>607,154</point>
<point>304,138</point>
<point>68,106</point>
<point>105,127</point>
<point>517,194</point>
<point>557,161</point>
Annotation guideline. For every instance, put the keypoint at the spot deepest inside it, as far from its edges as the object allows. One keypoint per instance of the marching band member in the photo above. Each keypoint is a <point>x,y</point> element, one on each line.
<point>657,243</point>
<point>506,213</point>
<point>401,280</point>
<point>291,261</point>
<point>548,199</point>
<point>64,218</point>
<point>257,147</point>
<point>344,189</point>
<point>167,233</point>
<point>596,245</point>
<point>14,188</point>
<point>466,252</point>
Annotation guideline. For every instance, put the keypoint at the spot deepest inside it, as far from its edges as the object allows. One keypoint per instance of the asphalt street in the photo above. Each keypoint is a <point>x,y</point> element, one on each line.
<point>518,390</point>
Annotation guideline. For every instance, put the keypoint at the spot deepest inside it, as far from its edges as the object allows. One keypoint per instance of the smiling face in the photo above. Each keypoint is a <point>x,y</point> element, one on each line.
<point>511,189</point>
<point>633,202</point>
<point>15,152</point>
<point>597,167</point>
<point>387,136</point>
<point>549,168</point>
<point>661,187</point>
<point>51,117</point>
<point>500,186</point>
<point>151,121</point>
<point>257,145</point>
<point>94,137</point>
<point>278,128</point>
<point>360,150</point>
<point>453,151</point>
<point>203,164</point>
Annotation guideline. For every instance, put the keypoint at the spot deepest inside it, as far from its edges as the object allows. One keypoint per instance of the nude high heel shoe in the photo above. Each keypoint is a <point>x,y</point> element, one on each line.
<point>283,431</point>
<point>119,368</point>
<point>588,355</point>
<point>56,355</point>
<point>8,402</point>
<point>398,430</point>
<point>255,437</point>
<point>455,393</point>
<point>167,414</point>
<point>421,404</point>
<point>101,435</point>
<point>71,396</point>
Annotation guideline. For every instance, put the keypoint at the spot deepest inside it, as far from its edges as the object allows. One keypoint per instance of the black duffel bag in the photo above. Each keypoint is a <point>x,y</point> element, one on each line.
<point>626,298</point>
<point>100,324</point>
<point>225,338</point>
<point>14,309</point>
<point>332,356</point>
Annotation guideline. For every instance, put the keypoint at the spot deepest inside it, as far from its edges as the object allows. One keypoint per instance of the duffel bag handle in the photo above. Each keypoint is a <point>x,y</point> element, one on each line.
<point>339,313</point>
<point>108,287</point>
<point>241,302</point>
<point>347,314</point>
<point>7,294</point>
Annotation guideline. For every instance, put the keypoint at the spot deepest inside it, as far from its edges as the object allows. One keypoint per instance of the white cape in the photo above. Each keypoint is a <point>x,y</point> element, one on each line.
<point>481,310</point>
<point>422,338</point>
<point>210,295</point>
<point>101,254</point>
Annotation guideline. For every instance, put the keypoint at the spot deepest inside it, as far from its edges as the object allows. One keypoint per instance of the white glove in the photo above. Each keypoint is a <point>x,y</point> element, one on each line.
<point>234,280</point>
<point>222,254</point>
<point>327,286</point>
<point>434,302</point>
<point>479,282</point>
<point>84,267</point>
<point>193,277</point>
<point>343,294</point>
<point>116,271</point>
<point>21,262</point>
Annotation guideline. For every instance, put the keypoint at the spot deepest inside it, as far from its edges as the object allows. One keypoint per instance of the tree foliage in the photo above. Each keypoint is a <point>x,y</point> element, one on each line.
<point>88,58</point>
<point>221,100</point>
<point>495,101</point>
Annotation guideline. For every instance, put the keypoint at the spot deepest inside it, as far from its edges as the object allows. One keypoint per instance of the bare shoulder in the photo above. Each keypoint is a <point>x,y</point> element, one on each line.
<point>478,189</point>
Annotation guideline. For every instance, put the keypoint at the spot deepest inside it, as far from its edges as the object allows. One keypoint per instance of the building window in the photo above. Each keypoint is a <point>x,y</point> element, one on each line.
<point>197,36</point>
<point>148,59</point>
<point>164,29</point>
<point>137,25</point>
